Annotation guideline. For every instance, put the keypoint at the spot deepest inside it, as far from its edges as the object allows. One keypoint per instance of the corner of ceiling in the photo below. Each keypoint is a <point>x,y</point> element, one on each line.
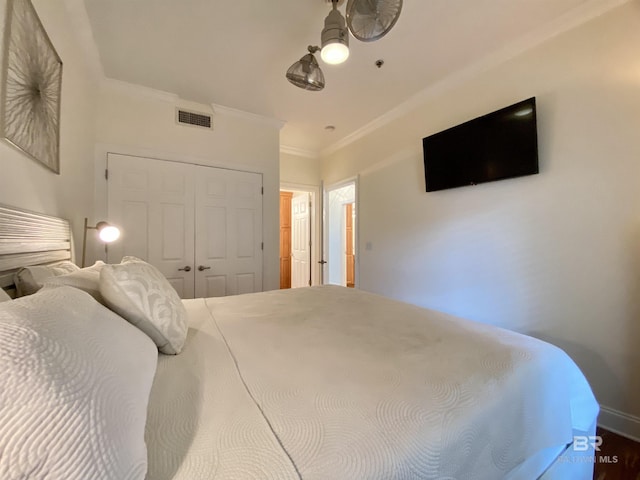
<point>275,122</point>
<point>80,20</point>
<point>82,27</point>
<point>572,19</point>
<point>139,91</point>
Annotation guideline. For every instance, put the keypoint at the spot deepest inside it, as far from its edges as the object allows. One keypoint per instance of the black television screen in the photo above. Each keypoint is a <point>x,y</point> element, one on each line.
<point>499,145</point>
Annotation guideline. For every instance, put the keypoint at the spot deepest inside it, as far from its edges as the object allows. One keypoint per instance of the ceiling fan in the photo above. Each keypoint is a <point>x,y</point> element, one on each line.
<point>367,20</point>
<point>370,20</point>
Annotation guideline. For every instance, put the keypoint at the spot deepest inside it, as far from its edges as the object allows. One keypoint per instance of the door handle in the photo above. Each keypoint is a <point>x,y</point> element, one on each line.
<point>202,268</point>
<point>185,269</point>
<point>322,262</point>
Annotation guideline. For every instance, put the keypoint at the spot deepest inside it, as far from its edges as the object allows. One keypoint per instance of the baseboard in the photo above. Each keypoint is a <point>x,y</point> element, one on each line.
<point>620,423</point>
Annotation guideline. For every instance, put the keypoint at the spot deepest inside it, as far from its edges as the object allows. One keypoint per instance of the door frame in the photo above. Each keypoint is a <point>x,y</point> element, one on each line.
<point>316,225</point>
<point>356,227</point>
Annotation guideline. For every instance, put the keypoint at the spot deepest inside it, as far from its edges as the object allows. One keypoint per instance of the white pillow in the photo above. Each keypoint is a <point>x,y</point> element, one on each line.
<point>29,280</point>
<point>76,380</point>
<point>86,279</point>
<point>131,259</point>
<point>4,296</point>
<point>139,293</point>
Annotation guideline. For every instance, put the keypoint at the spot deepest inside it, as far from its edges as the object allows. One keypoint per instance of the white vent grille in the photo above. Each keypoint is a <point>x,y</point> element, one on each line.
<point>195,119</point>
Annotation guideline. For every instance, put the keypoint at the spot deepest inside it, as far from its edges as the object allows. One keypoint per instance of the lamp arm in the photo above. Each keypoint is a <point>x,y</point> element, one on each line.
<point>84,242</point>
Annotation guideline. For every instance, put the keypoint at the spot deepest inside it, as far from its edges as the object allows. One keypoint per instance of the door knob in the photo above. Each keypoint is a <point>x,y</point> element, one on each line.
<point>185,269</point>
<point>201,268</point>
<point>322,262</point>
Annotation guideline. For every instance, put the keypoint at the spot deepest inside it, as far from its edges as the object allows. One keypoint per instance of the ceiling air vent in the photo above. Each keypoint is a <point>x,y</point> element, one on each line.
<point>185,117</point>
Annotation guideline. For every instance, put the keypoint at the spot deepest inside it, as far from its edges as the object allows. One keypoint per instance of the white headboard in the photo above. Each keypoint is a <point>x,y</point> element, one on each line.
<point>28,238</point>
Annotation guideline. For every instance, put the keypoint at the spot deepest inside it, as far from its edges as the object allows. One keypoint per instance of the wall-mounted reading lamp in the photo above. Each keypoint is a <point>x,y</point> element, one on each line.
<point>107,233</point>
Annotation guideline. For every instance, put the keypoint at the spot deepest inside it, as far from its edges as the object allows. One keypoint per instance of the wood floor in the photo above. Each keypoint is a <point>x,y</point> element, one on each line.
<point>623,457</point>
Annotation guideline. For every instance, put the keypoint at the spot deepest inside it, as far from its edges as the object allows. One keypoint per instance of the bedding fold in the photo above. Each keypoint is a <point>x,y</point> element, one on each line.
<point>201,423</point>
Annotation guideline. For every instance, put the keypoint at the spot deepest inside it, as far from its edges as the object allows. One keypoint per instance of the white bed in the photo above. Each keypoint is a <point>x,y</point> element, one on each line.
<point>330,382</point>
<point>314,383</point>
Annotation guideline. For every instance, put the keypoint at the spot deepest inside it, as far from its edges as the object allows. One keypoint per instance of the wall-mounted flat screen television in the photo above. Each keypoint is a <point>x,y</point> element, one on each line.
<point>499,145</point>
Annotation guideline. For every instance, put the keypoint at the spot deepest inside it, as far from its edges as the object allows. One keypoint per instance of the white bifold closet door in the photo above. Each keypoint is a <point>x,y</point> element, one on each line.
<point>200,226</point>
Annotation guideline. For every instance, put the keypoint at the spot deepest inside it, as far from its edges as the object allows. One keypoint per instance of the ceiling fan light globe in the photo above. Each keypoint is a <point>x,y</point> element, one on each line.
<point>334,53</point>
<point>334,38</point>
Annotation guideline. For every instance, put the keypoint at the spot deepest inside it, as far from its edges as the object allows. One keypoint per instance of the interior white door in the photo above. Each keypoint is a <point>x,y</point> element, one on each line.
<point>228,232</point>
<point>200,226</point>
<point>300,241</point>
<point>153,203</point>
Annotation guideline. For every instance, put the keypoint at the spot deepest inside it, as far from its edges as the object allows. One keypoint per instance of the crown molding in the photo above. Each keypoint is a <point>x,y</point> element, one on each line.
<point>572,19</point>
<point>254,117</point>
<point>299,152</point>
<point>84,33</point>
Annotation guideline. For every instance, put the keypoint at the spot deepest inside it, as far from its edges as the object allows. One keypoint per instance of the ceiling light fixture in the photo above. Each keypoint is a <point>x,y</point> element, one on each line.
<point>367,20</point>
<point>335,37</point>
<point>306,73</point>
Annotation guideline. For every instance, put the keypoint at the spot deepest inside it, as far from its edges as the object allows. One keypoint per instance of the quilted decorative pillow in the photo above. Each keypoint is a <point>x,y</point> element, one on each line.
<point>139,293</point>
<point>29,280</point>
<point>75,380</point>
<point>4,296</point>
<point>86,279</point>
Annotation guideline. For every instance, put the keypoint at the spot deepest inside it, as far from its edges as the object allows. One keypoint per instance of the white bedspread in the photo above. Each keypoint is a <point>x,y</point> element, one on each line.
<point>335,383</point>
<point>201,422</point>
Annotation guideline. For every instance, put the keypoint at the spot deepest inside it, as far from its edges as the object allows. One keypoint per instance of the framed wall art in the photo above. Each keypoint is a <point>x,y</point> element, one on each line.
<point>31,85</point>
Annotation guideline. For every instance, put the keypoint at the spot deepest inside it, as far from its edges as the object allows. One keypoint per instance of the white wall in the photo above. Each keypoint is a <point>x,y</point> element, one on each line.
<point>555,255</point>
<point>295,169</point>
<point>136,121</point>
<point>24,183</point>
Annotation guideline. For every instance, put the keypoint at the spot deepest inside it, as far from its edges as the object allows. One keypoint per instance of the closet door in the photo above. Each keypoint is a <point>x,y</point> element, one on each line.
<point>228,242</point>
<point>200,226</point>
<point>153,203</point>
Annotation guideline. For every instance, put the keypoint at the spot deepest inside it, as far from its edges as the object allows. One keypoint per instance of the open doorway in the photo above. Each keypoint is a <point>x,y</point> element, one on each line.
<point>340,234</point>
<point>297,231</point>
<point>350,244</point>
